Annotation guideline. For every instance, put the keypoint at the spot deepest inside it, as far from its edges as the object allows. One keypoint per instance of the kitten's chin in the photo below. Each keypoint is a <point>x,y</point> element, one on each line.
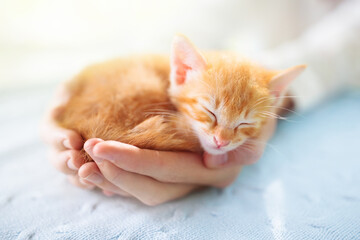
<point>215,152</point>
<point>218,151</point>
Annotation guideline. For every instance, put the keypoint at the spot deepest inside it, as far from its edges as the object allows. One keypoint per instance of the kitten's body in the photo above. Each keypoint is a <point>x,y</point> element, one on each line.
<point>127,100</point>
<point>187,102</point>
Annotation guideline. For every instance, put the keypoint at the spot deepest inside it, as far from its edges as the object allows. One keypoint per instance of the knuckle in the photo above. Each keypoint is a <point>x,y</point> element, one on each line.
<point>169,177</point>
<point>73,154</point>
<point>85,184</point>
<point>114,176</point>
<point>60,161</point>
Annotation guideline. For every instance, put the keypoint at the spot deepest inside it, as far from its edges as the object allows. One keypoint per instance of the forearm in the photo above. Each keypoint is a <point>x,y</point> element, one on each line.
<point>330,49</point>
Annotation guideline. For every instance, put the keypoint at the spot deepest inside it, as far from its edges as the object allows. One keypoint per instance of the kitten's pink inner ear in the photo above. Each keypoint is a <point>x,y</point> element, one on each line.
<point>184,58</point>
<point>280,83</point>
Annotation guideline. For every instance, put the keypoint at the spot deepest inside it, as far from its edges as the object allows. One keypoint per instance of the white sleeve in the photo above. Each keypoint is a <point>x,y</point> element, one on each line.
<point>331,49</point>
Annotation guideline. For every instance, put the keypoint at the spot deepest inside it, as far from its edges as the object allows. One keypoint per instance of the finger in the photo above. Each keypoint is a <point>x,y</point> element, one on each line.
<point>215,161</point>
<point>148,190</point>
<point>267,130</point>
<point>68,161</point>
<point>75,180</point>
<point>89,172</point>
<point>174,167</point>
<point>61,138</point>
<point>246,155</point>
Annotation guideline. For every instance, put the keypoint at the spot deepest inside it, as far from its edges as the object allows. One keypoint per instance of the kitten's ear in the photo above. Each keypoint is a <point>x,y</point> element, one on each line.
<point>184,59</point>
<point>281,81</point>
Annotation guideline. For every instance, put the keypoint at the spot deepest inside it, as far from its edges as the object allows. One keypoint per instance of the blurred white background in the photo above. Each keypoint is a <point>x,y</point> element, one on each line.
<point>48,41</point>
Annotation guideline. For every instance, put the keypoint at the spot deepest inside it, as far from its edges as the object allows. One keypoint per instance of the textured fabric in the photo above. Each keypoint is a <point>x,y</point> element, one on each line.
<point>306,186</point>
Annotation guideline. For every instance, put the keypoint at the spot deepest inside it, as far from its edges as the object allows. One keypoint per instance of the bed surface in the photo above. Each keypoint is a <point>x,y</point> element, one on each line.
<point>306,186</point>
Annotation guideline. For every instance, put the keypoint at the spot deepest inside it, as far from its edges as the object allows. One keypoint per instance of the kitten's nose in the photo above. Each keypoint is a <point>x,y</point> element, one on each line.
<point>221,142</point>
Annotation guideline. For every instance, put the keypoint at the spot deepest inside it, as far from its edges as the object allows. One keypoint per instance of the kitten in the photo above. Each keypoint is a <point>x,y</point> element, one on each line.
<point>188,102</point>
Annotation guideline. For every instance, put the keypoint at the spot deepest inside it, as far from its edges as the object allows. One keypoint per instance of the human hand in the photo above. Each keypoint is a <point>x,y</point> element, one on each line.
<point>151,176</point>
<point>155,177</point>
<point>65,144</point>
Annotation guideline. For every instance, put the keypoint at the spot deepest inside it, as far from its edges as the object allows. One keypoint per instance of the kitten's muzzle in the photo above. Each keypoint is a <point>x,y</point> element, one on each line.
<point>220,142</point>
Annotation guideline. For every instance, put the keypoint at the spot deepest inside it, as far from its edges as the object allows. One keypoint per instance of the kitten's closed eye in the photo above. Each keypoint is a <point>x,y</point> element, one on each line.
<point>245,124</point>
<point>212,114</point>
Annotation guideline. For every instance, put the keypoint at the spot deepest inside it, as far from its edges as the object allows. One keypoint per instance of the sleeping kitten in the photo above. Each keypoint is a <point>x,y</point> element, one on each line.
<point>212,102</point>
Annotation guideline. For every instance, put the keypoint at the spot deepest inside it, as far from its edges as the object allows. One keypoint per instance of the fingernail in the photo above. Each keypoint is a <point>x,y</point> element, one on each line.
<point>87,146</point>
<point>98,157</point>
<point>66,143</point>
<point>94,178</point>
<point>71,165</point>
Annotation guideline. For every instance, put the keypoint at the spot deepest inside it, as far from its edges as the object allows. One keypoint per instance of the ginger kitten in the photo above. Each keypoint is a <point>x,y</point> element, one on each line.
<point>191,101</point>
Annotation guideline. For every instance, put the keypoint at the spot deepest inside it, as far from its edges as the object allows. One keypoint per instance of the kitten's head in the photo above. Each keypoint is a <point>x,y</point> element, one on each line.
<point>226,100</point>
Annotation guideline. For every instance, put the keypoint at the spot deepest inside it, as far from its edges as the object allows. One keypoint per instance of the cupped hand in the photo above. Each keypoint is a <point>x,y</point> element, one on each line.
<point>151,176</point>
<point>155,177</point>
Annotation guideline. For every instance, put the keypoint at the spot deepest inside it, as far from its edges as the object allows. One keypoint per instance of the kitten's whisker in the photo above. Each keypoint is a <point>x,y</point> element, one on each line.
<point>267,98</point>
<point>270,113</point>
<point>281,118</point>
<point>272,116</point>
<point>245,147</point>
<point>272,146</point>
<point>284,97</point>
<point>159,110</point>
<point>286,109</point>
<point>160,114</point>
<point>261,99</point>
<point>159,103</point>
<point>165,105</point>
<point>257,103</point>
<point>271,98</point>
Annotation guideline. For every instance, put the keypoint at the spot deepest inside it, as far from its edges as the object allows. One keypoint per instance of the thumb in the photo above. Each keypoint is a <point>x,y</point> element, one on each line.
<point>215,161</point>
